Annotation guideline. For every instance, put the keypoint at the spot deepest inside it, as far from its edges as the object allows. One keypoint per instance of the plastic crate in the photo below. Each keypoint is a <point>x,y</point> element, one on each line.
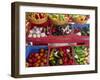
<point>34,49</point>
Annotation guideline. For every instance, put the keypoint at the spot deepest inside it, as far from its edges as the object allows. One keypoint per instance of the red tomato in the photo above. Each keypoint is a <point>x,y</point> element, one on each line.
<point>36,54</point>
<point>38,57</point>
<point>34,60</point>
<point>41,54</point>
<point>42,50</point>
<point>30,60</point>
<point>33,54</point>
<point>30,65</point>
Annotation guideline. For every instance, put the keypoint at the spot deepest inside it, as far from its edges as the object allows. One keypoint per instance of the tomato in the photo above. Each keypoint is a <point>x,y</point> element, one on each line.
<point>42,50</point>
<point>36,54</point>
<point>41,54</point>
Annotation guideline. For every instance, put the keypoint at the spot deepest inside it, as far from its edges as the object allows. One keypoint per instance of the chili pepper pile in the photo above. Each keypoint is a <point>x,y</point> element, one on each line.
<point>61,56</point>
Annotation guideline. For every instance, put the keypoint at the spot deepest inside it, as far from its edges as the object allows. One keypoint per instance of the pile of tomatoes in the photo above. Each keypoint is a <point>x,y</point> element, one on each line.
<point>37,59</point>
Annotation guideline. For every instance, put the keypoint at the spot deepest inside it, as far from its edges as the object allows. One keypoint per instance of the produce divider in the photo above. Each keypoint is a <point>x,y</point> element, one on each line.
<point>60,39</point>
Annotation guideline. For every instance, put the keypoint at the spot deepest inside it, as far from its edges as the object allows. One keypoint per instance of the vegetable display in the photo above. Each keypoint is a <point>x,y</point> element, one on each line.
<point>43,29</point>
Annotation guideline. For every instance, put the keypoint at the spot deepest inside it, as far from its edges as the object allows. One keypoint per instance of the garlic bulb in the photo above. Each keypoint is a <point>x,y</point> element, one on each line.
<point>43,34</point>
<point>41,28</point>
<point>38,35</point>
<point>34,35</point>
<point>79,33</point>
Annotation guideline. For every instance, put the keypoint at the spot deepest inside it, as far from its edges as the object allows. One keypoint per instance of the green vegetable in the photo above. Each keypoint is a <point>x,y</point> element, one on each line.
<point>80,51</point>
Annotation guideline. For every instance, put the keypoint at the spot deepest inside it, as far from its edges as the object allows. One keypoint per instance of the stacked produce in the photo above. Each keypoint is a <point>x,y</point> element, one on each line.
<point>48,28</point>
<point>57,24</point>
<point>62,30</point>
<point>81,54</point>
<point>61,56</point>
<point>80,19</point>
<point>37,18</point>
<point>37,59</point>
<point>37,32</point>
<point>59,19</point>
<point>81,29</point>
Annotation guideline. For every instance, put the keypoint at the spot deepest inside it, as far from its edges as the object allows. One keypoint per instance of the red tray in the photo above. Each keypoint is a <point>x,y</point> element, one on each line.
<point>60,39</point>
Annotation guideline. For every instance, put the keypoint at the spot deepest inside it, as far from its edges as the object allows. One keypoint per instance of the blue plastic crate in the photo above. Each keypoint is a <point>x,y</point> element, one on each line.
<point>34,49</point>
<point>80,26</point>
